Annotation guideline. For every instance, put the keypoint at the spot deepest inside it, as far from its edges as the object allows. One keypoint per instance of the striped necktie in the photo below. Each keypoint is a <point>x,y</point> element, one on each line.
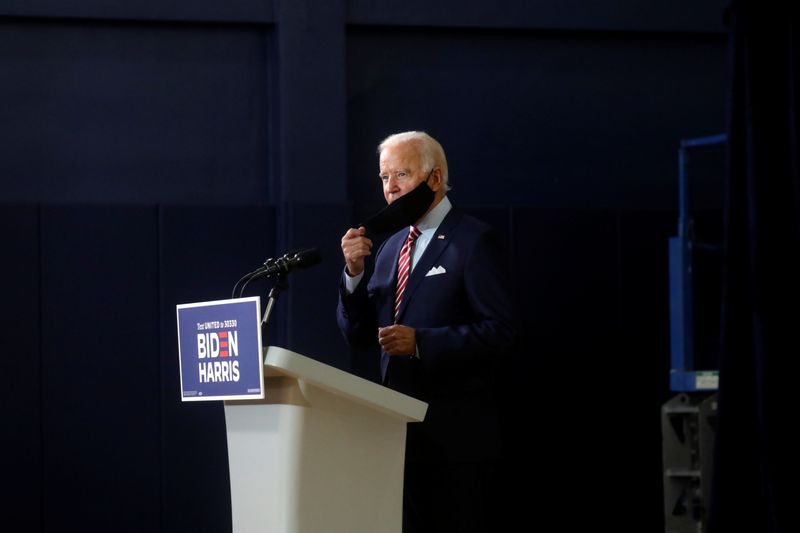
<point>404,267</point>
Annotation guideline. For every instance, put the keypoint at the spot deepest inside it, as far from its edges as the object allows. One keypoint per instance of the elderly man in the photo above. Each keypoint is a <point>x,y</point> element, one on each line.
<point>436,305</point>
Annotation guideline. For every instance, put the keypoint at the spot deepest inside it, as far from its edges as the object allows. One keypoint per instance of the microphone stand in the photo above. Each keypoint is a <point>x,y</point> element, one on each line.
<point>280,284</point>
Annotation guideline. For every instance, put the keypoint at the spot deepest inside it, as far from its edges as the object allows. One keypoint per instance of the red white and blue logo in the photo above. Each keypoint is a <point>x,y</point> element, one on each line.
<point>219,345</point>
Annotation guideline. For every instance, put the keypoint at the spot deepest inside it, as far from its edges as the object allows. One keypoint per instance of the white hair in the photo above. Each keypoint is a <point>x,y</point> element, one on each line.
<point>431,153</point>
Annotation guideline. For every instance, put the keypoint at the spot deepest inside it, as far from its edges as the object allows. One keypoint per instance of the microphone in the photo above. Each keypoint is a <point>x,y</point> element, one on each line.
<point>296,260</point>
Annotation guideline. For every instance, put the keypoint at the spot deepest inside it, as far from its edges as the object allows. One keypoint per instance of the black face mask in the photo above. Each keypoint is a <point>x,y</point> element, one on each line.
<point>403,212</point>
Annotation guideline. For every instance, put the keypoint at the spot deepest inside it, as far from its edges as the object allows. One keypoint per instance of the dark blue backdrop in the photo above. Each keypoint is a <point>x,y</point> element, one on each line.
<point>150,153</point>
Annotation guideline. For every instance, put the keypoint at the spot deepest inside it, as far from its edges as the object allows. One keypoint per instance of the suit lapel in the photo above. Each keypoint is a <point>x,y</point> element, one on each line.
<point>393,247</point>
<point>440,241</point>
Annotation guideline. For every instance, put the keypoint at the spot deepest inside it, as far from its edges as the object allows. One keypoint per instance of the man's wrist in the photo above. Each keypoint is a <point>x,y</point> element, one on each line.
<point>351,282</point>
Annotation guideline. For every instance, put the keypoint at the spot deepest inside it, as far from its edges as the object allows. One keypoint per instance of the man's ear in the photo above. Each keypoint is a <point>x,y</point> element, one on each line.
<point>436,181</point>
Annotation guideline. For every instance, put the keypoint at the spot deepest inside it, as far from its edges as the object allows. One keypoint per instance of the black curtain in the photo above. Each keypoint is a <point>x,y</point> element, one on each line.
<point>757,450</point>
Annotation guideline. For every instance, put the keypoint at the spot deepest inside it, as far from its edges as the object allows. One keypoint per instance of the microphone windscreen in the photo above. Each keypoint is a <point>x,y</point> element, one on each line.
<point>307,258</point>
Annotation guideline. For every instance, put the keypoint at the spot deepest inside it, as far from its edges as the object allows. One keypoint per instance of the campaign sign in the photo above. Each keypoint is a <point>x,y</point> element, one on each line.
<point>219,349</point>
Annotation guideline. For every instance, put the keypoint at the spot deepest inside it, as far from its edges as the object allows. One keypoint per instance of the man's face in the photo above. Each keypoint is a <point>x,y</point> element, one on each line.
<point>401,170</point>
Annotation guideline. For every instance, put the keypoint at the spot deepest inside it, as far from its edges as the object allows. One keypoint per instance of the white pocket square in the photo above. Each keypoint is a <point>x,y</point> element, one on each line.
<point>435,271</point>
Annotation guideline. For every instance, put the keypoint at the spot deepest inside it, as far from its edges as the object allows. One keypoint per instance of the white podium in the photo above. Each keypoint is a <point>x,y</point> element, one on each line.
<point>323,452</point>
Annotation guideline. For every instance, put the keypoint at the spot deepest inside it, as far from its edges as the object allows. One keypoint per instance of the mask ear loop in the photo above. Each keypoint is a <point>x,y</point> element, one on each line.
<point>429,176</point>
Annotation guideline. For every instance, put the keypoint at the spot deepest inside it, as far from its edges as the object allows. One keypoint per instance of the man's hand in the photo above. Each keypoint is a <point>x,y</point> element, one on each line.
<point>355,247</point>
<point>398,340</point>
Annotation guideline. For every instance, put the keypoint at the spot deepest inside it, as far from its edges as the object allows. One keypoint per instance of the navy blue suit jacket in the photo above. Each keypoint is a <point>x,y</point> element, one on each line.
<point>463,323</point>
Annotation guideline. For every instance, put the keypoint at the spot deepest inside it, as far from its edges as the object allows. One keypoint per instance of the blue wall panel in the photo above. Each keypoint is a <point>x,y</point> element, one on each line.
<point>20,366</point>
<point>133,112</point>
<point>538,118</point>
<point>615,15</point>
<point>174,10</point>
<point>100,369</point>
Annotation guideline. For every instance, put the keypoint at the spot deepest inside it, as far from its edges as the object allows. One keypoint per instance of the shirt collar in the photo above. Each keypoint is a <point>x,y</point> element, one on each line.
<point>434,218</point>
